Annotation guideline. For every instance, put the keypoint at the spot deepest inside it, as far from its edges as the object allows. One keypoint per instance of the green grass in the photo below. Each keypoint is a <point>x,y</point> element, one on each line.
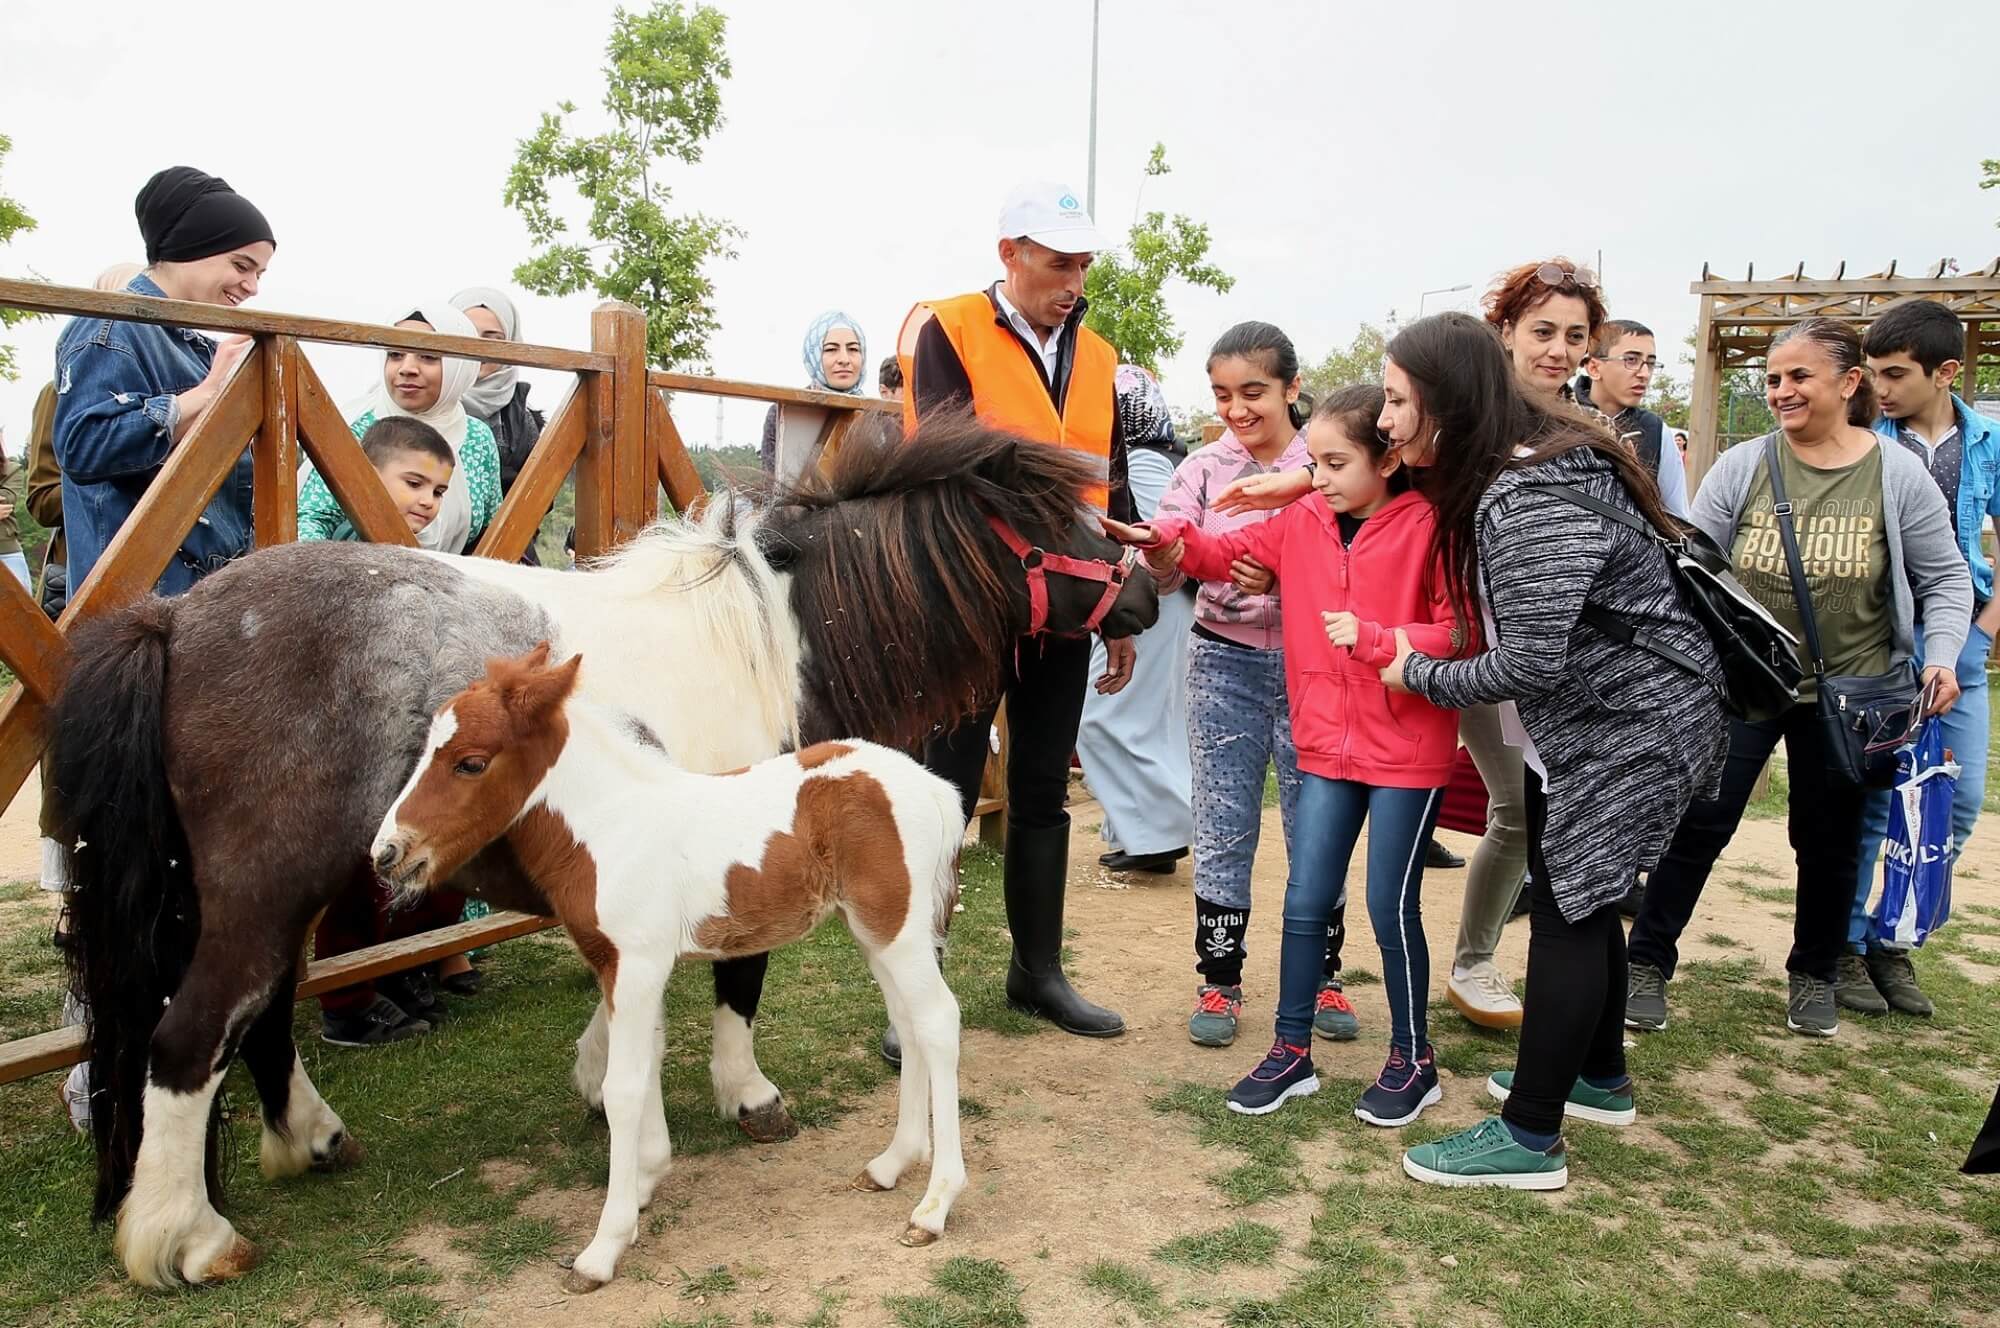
<point>1127,1286</point>
<point>1774,1182</point>
<point>1739,1208</point>
<point>1241,1244</point>
<point>971,1293</point>
<point>492,1084</point>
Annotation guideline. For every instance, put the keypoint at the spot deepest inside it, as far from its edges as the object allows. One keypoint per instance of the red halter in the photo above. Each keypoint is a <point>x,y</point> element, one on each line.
<point>1038,562</point>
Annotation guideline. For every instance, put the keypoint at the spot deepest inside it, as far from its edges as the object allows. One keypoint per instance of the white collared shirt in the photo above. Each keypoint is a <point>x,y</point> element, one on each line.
<point>1050,350</point>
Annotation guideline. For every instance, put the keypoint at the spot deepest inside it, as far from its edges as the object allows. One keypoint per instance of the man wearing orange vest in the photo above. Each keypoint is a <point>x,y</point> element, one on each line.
<point>1018,354</point>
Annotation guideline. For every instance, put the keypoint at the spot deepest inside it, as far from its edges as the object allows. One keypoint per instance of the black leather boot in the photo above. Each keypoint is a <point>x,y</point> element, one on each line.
<point>1034,878</point>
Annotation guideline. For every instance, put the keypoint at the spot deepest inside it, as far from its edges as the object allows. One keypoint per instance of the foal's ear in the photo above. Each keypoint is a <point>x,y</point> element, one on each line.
<point>543,689</point>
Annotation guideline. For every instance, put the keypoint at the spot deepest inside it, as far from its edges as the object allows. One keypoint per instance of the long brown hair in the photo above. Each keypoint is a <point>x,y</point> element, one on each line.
<point>1468,396</point>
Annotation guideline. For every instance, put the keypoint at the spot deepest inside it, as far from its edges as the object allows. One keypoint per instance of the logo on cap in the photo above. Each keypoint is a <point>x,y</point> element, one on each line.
<point>1067,202</point>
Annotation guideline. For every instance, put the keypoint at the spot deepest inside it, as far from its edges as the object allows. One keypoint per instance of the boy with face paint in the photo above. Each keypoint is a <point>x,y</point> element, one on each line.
<point>1914,352</point>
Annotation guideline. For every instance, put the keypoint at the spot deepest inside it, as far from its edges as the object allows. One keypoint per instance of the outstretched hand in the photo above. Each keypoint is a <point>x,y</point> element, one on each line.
<point>1162,559</point>
<point>1263,493</point>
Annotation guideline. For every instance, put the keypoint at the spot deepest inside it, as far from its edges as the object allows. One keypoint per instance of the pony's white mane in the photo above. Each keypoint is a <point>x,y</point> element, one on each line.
<point>743,613</point>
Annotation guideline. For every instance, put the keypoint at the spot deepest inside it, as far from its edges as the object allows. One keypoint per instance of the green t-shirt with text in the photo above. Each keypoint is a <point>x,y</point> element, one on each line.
<point>1844,545</point>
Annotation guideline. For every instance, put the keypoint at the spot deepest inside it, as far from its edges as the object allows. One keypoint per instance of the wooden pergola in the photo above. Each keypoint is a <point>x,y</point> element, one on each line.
<point>1739,318</point>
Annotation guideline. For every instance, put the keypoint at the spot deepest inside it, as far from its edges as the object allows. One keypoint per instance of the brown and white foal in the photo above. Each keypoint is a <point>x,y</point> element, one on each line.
<point>644,862</point>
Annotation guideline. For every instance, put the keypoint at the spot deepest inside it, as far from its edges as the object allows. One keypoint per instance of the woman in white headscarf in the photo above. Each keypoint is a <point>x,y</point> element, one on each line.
<point>499,399</point>
<point>430,388</point>
<point>1133,743</point>
<point>836,359</point>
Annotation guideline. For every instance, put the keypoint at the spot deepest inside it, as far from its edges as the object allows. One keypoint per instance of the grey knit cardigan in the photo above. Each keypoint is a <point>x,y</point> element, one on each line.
<point>1924,559</point>
<point>1627,738</point>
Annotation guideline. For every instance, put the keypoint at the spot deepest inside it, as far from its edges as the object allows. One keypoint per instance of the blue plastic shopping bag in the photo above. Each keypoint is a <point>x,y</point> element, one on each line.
<point>1916,856</point>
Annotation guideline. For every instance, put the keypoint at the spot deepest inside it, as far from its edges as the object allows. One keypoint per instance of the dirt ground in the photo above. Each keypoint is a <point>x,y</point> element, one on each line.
<point>1069,1164</point>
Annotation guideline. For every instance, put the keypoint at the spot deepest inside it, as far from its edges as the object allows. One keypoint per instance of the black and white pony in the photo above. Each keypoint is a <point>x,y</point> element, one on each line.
<point>222,759</point>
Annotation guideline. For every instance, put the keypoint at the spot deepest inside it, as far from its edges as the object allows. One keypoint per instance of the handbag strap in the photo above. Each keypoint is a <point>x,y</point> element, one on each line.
<point>1781,508</point>
<point>1608,621</point>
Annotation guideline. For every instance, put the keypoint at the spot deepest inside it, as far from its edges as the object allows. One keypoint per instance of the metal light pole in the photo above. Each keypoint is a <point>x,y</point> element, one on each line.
<point>1090,185</point>
<point>1442,290</point>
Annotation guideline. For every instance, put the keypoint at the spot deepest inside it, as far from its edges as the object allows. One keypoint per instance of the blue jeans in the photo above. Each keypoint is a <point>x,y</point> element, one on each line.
<point>1331,812</point>
<point>1238,725</point>
<point>1965,733</point>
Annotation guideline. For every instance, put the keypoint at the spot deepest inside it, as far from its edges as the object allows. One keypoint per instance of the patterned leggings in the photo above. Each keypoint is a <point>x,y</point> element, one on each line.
<point>1238,723</point>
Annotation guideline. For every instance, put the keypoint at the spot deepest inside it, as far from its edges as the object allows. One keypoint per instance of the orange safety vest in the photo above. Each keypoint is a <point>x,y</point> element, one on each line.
<point>1008,391</point>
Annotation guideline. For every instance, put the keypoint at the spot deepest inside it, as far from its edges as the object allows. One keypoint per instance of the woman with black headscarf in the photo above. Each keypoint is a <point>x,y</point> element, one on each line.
<point>128,393</point>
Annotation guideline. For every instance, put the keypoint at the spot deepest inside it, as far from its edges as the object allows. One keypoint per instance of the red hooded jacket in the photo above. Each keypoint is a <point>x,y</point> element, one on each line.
<point>1346,724</point>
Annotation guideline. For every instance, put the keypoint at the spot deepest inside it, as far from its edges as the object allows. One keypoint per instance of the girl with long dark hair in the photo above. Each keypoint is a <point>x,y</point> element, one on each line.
<point>1617,741</point>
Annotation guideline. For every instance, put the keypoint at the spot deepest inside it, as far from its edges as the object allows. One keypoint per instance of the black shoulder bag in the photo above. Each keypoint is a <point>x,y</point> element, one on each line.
<point>1760,662</point>
<point>1858,713</point>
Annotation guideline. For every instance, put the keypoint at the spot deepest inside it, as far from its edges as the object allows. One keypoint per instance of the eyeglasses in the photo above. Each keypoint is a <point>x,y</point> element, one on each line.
<point>1632,359</point>
<point>1555,274</point>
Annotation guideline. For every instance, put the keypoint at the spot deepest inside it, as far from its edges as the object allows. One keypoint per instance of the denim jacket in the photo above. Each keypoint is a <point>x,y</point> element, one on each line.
<point>115,413</point>
<point>1978,488</point>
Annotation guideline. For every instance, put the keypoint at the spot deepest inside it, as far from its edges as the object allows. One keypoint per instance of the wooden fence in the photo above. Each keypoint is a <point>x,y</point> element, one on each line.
<point>614,431</point>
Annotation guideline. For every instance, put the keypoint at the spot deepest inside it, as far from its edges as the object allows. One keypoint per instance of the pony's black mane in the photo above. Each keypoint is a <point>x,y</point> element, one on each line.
<point>898,578</point>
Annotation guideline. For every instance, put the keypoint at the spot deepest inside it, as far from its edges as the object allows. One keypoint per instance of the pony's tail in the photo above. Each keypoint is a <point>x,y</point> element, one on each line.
<point>132,908</point>
<point>944,882</point>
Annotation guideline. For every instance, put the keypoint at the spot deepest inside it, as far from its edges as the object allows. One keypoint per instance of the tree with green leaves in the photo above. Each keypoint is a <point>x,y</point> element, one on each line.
<point>663,96</point>
<point>14,219</point>
<point>1989,175</point>
<point>1127,290</point>
<point>1360,362</point>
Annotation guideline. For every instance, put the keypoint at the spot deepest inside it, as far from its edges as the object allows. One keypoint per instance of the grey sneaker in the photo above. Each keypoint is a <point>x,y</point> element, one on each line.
<point>1811,1009</point>
<point>1216,1010</point>
<point>1854,988</point>
<point>1646,999</point>
<point>1896,978</point>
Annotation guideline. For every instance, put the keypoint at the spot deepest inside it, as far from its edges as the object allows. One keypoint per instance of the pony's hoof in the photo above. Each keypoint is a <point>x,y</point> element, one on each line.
<point>771,1123</point>
<point>867,1184</point>
<point>348,1152</point>
<point>579,1284</point>
<point>916,1237</point>
<point>234,1262</point>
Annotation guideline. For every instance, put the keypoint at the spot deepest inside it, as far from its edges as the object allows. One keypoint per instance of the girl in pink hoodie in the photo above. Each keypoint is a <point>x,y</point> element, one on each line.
<point>1353,561</point>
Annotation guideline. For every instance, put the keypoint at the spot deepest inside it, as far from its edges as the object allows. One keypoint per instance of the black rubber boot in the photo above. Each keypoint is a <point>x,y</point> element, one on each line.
<point>1035,877</point>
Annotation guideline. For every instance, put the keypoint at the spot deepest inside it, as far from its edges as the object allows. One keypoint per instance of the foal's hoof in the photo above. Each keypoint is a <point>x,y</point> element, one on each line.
<point>579,1284</point>
<point>916,1237</point>
<point>346,1153</point>
<point>234,1262</point>
<point>771,1123</point>
<point>867,1184</point>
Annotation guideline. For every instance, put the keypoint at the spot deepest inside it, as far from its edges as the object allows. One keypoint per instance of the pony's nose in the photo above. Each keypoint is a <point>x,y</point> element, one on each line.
<point>386,854</point>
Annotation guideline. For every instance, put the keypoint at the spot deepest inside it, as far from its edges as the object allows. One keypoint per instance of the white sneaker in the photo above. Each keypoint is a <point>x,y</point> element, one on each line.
<point>76,1097</point>
<point>55,867</point>
<point>1483,995</point>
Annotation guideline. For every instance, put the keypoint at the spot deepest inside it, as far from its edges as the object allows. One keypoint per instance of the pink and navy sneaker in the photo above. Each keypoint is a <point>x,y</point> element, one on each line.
<point>1402,1091</point>
<point>1286,1072</point>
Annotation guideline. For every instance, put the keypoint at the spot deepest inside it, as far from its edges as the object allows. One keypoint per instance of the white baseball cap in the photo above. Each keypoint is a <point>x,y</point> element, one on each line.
<point>1049,213</point>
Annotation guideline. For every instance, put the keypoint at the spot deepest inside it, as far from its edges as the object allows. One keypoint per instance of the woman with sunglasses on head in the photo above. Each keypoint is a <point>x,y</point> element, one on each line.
<point>1547,315</point>
<point>1615,740</point>
<point>1880,564</point>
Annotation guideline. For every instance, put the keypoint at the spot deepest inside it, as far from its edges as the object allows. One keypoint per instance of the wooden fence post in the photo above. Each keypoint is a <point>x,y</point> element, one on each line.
<point>616,465</point>
<point>275,451</point>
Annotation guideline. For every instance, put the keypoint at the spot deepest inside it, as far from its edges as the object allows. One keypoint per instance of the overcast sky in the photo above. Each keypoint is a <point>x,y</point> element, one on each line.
<point>1347,158</point>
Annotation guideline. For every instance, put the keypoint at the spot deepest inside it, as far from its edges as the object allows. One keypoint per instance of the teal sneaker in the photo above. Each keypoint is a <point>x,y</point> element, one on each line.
<point>1216,1010</point>
<point>1603,1106</point>
<point>1487,1154</point>
<point>1333,1017</point>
